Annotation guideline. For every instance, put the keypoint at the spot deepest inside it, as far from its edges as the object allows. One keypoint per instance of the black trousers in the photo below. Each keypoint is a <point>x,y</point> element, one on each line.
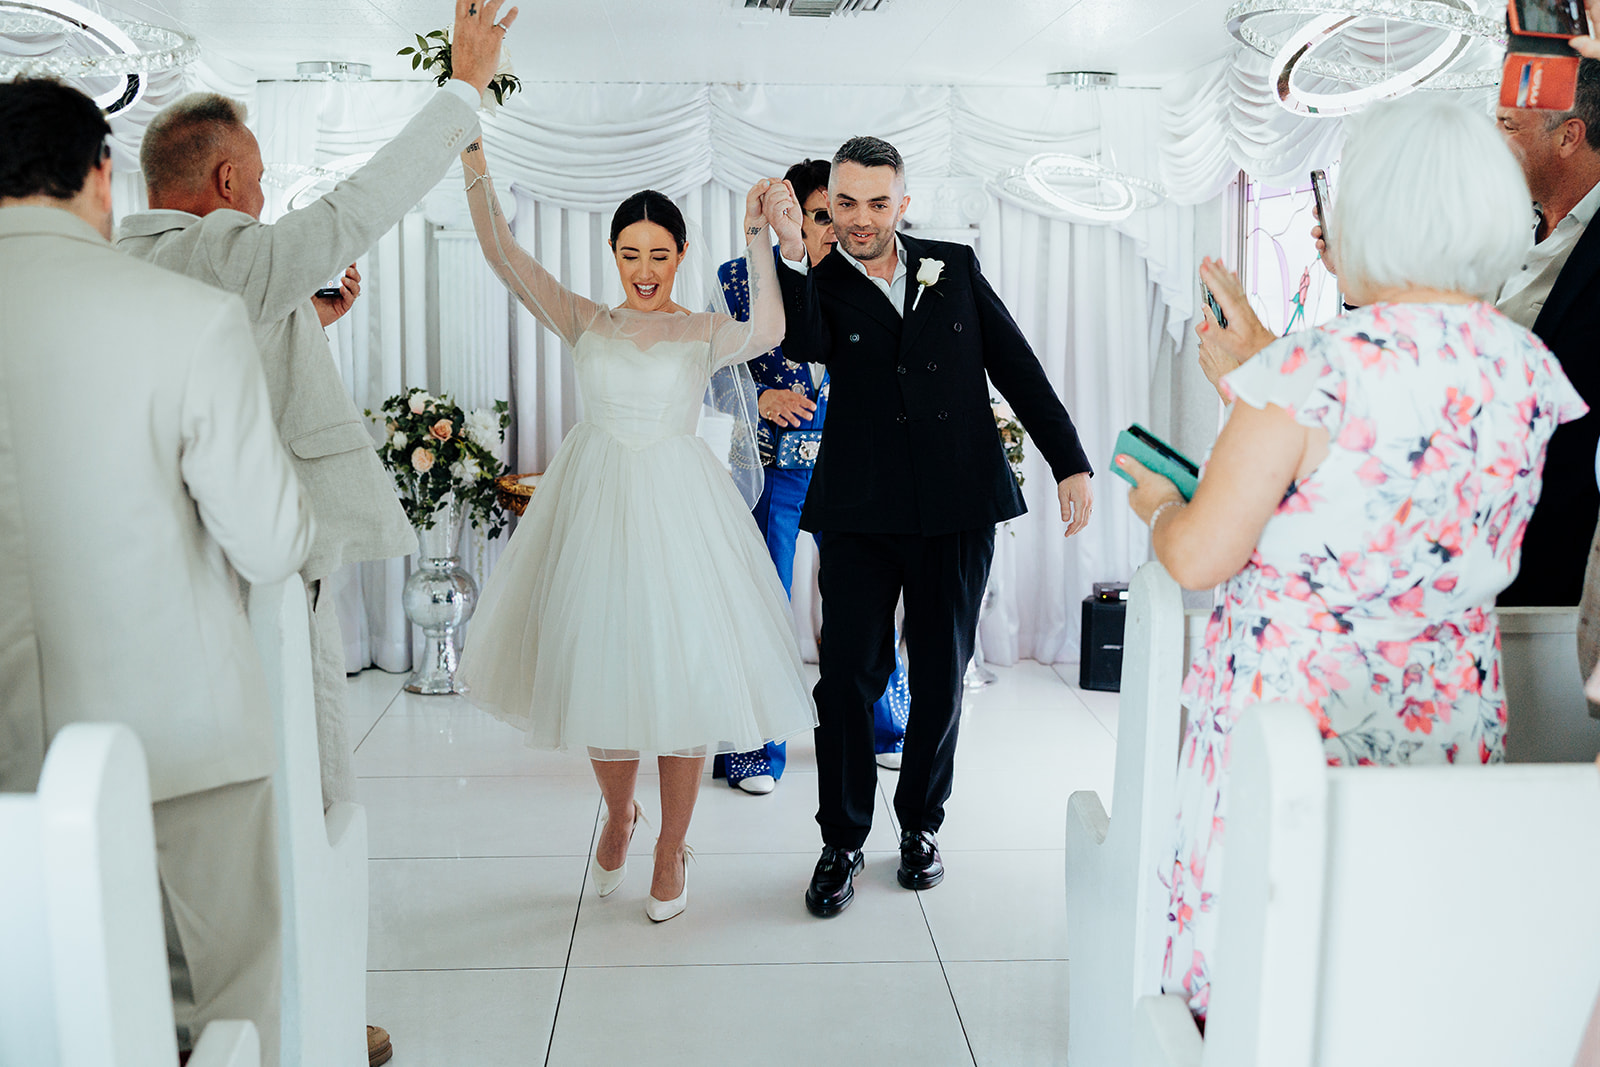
<point>861,580</point>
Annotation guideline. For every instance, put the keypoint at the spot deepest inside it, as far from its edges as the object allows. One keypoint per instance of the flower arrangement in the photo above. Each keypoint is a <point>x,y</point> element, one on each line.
<point>1011,437</point>
<point>434,450</point>
<point>433,50</point>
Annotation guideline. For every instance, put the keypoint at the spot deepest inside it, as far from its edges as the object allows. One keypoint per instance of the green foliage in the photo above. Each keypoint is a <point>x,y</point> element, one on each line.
<point>1012,436</point>
<point>433,51</point>
<point>439,450</point>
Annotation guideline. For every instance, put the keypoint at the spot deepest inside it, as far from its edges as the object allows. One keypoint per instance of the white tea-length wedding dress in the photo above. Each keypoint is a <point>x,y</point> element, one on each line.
<point>636,609</point>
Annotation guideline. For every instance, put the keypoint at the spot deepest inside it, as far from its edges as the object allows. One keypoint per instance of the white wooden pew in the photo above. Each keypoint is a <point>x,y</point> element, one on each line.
<point>83,960</point>
<point>1393,916</point>
<point>322,859</point>
<point>1113,908</point>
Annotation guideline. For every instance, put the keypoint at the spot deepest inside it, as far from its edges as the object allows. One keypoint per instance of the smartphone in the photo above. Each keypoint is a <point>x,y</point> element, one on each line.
<point>1319,190</point>
<point>1158,456</point>
<point>329,292</point>
<point>1539,83</point>
<point>1548,18</point>
<point>1216,308</point>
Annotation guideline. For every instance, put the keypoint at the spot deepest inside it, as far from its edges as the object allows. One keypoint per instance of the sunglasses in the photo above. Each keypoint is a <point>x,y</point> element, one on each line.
<point>819,216</point>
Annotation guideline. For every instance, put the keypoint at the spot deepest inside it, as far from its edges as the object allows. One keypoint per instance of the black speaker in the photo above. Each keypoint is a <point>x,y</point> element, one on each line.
<point>1100,645</point>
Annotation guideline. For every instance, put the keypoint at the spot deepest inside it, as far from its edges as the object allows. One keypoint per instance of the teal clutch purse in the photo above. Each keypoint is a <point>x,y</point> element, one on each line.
<point>1158,456</point>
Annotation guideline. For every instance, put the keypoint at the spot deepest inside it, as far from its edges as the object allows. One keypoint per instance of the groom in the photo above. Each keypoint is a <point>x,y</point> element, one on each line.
<point>906,492</point>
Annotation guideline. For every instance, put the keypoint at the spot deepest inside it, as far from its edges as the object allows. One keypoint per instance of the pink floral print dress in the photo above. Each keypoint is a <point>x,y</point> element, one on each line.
<point>1369,596</point>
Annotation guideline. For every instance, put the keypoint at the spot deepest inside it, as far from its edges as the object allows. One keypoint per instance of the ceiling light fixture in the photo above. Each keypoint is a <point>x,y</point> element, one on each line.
<point>1076,189</point>
<point>305,185</point>
<point>1316,22</point>
<point>332,70</point>
<point>126,51</point>
<point>812,8</point>
<point>1081,79</point>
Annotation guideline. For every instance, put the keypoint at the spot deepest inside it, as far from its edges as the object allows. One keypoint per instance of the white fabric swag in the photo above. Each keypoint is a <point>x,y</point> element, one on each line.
<point>1224,117</point>
<point>1103,307</point>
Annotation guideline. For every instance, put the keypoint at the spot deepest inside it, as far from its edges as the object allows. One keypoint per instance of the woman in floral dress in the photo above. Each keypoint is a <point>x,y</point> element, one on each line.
<point>1368,496</point>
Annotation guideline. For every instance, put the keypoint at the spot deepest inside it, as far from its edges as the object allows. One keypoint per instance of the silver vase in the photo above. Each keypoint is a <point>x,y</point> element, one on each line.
<point>978,675</point>
<point>439,597</point>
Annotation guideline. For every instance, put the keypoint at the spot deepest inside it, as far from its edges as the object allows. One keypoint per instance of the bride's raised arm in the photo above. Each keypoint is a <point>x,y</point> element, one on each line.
<point>733,341</point>
<point>557,307</point>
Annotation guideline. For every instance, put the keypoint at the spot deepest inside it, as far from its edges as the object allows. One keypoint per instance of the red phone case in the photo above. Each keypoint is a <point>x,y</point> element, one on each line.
<point>1544,83</point>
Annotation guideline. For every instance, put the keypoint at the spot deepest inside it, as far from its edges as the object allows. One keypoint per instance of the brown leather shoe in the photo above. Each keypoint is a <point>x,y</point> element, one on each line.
<point>379,1051</point>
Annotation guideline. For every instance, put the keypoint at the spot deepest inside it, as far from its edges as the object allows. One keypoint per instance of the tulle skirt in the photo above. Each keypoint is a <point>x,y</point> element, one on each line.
<point>636,610</point>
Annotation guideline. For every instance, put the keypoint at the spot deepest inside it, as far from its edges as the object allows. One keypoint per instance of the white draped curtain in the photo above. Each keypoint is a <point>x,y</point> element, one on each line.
<point>1105,307</point>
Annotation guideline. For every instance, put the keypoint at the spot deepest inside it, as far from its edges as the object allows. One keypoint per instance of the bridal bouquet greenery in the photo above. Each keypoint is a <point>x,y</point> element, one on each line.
<point>433,50</point>
<point>1011,437</point>
<point>435,450</point>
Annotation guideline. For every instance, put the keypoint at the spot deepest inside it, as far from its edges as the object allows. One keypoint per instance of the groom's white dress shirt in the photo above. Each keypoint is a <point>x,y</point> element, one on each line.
<point>894,291</point>
<point>139,470</point>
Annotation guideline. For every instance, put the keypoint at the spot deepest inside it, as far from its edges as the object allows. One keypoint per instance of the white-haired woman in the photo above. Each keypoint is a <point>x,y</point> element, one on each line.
<point>1367,498</point>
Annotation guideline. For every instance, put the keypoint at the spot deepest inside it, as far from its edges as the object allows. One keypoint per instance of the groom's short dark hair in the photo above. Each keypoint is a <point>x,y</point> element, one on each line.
<point>870,152</point>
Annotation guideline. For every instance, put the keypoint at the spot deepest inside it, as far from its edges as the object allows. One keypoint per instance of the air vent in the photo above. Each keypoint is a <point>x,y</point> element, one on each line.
<point>815,9</point>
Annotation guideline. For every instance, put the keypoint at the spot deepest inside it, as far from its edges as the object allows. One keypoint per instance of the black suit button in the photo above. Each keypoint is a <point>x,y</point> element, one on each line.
<point>900,369</point>
<point>933,366</point>
<point>958,327</point>
<point>854,338</point>
<point>944,416</point>
<point>900,418</point>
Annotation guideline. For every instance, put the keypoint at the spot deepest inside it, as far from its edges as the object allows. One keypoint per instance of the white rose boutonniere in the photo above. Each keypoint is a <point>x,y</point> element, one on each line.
<point>928,272</point>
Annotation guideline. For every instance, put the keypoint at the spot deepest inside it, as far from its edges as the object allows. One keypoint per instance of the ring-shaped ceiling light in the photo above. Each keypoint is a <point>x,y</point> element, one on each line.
<point>1464,25</point>
<point>1040,185</point>
<point>310,184</point>
<point>128,51</point>
<point>1299,45</point>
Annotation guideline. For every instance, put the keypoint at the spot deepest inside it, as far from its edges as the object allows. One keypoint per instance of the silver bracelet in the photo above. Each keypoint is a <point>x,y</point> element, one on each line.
<point>1156,514</point>
<point>480,178</point>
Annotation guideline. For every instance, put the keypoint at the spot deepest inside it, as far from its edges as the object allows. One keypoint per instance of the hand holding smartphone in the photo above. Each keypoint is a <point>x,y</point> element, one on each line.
<point>1158,457</point>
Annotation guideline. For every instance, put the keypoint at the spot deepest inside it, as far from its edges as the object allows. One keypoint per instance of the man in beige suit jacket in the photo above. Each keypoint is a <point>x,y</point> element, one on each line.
<point>203,169</point>
<point>140,477</point>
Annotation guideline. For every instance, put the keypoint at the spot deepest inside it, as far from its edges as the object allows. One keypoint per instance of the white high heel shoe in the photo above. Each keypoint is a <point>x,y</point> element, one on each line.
<point>605,881</point>
<point>660,911</point>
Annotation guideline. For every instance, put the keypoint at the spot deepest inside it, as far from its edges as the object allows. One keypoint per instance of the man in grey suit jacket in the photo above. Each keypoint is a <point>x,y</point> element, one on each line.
<point>139,473</point>
<point>203,170</point>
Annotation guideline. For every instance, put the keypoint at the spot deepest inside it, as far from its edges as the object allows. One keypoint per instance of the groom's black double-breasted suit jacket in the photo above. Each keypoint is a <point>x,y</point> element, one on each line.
<point>910,444</point>
<point>909,484</point>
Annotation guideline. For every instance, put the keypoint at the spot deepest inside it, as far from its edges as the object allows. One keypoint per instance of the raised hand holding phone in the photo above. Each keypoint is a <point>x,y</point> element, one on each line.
<point>1228,341</point>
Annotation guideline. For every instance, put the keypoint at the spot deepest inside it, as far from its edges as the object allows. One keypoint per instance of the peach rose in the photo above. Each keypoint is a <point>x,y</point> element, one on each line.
<point>441,430</point>
<point>421,461</point>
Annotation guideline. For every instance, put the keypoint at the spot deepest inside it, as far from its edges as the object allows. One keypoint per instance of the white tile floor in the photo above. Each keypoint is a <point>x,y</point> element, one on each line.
<point>488,948</point>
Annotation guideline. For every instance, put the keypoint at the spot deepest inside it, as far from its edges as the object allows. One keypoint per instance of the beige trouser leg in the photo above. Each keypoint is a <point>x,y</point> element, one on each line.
<point>329,689</point>
<point>217,856</point>
<point>1589,617</point>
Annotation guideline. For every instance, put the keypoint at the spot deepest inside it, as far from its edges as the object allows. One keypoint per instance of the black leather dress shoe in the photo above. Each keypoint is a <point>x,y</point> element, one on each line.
<point>832,888</point>
<point>920,865</point>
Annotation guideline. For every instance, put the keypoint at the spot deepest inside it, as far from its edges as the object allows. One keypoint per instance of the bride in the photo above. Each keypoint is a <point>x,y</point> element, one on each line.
<point>636,610</point>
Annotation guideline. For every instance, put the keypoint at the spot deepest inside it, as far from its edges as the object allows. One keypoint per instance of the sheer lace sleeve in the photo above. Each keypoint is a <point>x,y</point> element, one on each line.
<point>557,307</point>
<point>733,341</point>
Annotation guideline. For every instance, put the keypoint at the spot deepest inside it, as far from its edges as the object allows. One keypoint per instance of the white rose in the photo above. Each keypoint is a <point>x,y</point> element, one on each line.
<point>418,402</point>
<point>490,104</point>
<point>466,470</point>
<point>928,271</point>
<point>398,440</point>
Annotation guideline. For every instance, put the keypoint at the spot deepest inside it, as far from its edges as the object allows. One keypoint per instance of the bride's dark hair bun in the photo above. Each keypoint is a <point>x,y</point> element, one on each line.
<point>650,206</point>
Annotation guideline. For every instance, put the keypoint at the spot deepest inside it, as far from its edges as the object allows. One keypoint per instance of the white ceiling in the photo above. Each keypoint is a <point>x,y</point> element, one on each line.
<point>985,42</point>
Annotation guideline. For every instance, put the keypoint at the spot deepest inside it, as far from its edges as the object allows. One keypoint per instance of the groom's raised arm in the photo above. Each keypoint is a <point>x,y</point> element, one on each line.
<point>807,337</point>
<point>1015,371</point>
